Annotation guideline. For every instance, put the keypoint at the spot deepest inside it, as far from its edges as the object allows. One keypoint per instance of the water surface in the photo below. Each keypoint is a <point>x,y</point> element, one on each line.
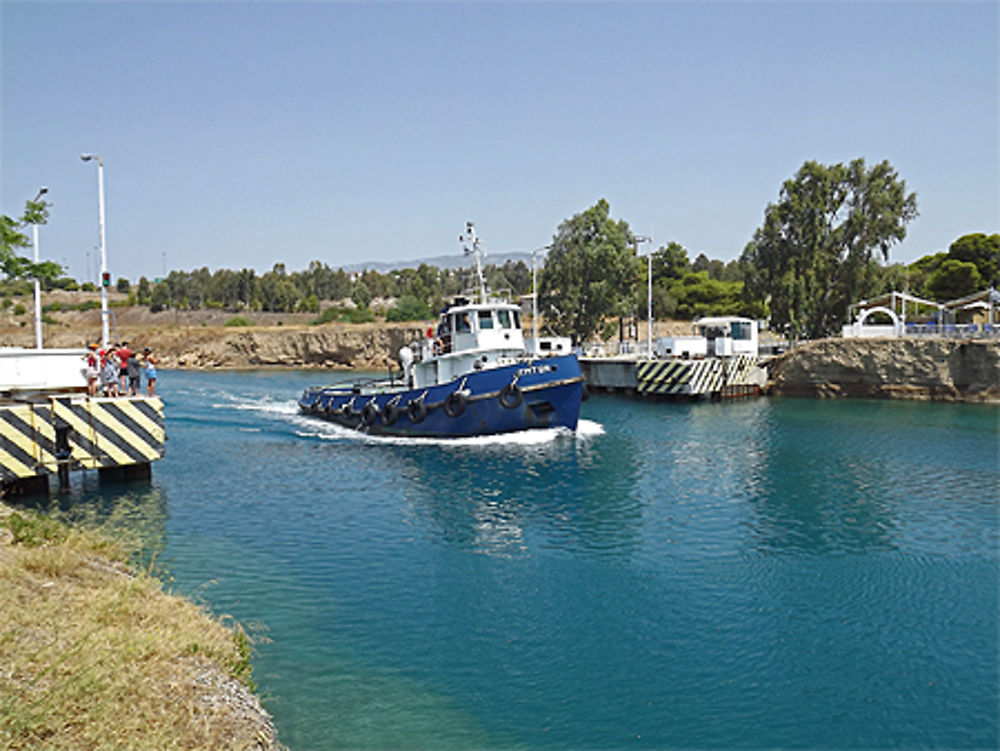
<point>793,573</point>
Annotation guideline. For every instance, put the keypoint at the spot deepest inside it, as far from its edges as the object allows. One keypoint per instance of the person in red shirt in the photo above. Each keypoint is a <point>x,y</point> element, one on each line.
<point>124,353</point>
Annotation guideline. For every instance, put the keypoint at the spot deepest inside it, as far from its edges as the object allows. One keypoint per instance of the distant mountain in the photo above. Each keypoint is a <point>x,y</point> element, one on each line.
<point>453,261</point>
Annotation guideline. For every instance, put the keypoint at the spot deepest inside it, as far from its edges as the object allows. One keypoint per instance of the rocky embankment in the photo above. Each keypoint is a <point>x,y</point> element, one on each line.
<point>368,346</point>
<point>923,369</point>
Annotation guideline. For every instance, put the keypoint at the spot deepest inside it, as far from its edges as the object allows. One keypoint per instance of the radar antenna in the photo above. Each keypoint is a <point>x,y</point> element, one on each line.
<point>470,246</point>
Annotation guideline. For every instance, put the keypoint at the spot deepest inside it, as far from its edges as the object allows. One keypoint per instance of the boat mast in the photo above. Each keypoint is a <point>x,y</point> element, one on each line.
<point>470,245</point>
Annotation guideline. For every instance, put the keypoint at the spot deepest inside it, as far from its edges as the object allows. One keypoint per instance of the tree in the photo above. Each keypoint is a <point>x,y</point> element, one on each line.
<point>954,279</point>
<point>144,291</point>
<point>590,273</point>
<point>160,298</point>
<point>670,262</point>
<point>811,257</point>
<point>361,295</point>
<point>12,239</point>
<point>983,251</point>
<point>122,285</point>
<point>409,308</point>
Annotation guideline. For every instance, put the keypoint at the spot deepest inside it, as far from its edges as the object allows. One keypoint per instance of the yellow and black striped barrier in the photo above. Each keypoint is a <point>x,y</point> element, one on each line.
<point>694,377</point>
<point>55,434</point>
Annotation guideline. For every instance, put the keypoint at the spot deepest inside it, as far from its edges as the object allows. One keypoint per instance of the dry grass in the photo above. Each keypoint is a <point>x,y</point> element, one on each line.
<point>92,657</point>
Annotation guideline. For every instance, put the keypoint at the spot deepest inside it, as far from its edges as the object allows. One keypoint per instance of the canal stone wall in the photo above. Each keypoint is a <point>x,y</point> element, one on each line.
<point>933,369</point>
<point>334,346</point>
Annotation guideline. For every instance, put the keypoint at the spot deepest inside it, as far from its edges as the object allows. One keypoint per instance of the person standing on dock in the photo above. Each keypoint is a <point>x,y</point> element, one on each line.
<point>124,354</point>
<point>93,370</point>
<point>133,371</point>
<point>151,361</point>
<point>109,375</point>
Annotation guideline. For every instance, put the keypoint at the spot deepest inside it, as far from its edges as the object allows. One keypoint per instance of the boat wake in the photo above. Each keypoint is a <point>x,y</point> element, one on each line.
<point>586,429</point>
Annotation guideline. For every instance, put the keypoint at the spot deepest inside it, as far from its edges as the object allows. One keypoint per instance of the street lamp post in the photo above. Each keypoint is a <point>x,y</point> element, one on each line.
<point>649,293</point>
<point>104,252</point>
<point>38,288</point>
<point>534,296</point>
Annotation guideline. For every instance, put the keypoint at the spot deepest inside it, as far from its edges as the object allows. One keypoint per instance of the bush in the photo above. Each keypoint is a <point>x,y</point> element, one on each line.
<point>329,315</point>
<point>87,305</point>
<point>358,315</point>
<point>409,308</point>
<point>237,321</point>
<point>20,310</point>
<point>54,307</point>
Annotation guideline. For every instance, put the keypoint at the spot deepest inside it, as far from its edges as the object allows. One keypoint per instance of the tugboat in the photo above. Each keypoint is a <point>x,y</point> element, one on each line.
<point>470,377</point>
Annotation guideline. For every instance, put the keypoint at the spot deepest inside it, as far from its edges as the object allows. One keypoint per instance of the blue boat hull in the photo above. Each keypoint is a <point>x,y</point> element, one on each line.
<point>542,393</point>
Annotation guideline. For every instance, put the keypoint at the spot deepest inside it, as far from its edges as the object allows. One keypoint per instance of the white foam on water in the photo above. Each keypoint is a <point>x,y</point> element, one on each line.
<point>589,429</point>
<point>329,431</point>
<point>264,405</point>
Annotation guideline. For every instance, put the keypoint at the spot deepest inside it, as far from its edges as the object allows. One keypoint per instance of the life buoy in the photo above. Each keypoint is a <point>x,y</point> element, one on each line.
<point>416,410</point>
<point>511,396</point>
<point>454,405</point>
<point>438,347</point>
<point>369,414</point>
<point>390,413</point>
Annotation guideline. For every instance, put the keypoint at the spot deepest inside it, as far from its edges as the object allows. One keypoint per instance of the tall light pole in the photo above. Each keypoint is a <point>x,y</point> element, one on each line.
<point>534,295</point>
<point>104,252</point>
<point>38,288</point>
<point>638,239</point>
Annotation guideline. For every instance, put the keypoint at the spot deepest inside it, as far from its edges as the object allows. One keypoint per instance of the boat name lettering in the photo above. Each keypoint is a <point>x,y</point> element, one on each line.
<point>534,370</point>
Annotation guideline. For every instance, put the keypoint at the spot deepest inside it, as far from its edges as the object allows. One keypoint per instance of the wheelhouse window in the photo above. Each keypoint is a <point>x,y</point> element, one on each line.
<point>485,319</point>
<point>503,316</point>
<point>462,324</point>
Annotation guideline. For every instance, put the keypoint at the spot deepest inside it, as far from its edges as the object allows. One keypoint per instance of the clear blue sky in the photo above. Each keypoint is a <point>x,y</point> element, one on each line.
<point>242,134</point>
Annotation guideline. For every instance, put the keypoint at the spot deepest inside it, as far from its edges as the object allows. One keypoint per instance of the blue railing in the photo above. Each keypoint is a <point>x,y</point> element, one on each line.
<point>953,330</point>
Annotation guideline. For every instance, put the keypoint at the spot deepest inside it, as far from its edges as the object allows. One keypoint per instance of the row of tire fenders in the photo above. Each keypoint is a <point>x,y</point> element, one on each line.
<point>511,396</point>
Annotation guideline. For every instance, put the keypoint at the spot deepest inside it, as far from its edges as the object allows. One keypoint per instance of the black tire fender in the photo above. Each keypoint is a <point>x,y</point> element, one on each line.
<point>511,396</point>
<point>454,405</point>
<point>390,413</point>
<point>369,414</point>
<point>416,410</point>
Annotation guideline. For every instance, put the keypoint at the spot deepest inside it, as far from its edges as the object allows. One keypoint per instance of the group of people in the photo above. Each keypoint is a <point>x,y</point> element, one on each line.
<point>117,370</point>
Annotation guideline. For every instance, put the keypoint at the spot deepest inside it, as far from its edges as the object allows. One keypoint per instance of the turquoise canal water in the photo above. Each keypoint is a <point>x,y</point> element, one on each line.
<point>769,573</point>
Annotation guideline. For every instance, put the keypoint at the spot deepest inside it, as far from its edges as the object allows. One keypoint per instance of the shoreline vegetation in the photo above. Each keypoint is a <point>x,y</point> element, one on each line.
<point>95,654</point>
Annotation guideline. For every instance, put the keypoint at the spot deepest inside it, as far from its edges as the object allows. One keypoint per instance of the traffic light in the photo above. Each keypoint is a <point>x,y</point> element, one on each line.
<point>106,279</point>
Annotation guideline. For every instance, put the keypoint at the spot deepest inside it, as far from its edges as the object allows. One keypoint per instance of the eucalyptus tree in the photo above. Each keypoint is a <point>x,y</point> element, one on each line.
<point>812,256</point>
<point>589,275</point>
